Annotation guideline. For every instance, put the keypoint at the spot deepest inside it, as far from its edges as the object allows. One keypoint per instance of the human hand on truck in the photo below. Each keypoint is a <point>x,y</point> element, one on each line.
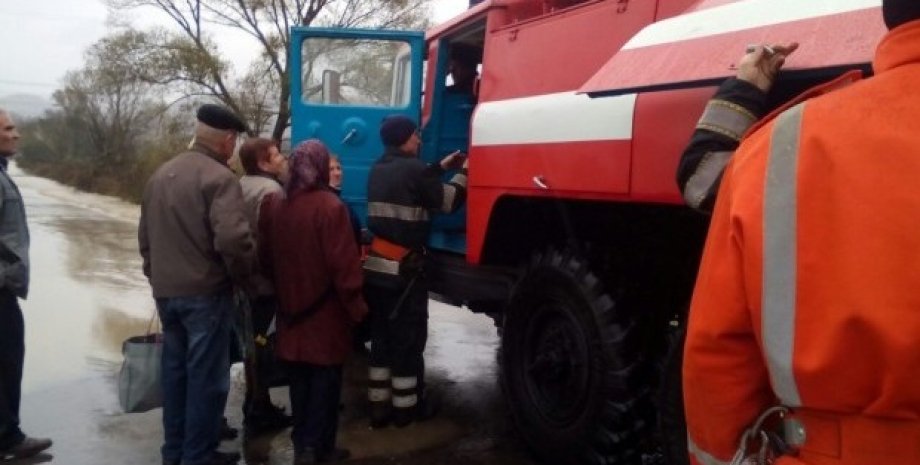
<point>761,63</point>
<point>454,161</point>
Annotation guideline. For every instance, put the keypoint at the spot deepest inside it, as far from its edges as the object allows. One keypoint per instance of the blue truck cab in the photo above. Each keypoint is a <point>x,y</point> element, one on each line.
<point>344,82</point>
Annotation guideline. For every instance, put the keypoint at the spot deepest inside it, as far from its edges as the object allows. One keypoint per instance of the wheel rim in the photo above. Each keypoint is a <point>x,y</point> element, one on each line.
<point>557,368</point>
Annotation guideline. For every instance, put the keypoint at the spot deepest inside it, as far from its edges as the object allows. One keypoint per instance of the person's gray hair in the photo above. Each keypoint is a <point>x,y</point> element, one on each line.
<point>209,136</point>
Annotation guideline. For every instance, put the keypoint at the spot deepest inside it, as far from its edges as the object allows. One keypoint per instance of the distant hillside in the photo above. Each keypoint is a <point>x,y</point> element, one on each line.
<point>25,106</point>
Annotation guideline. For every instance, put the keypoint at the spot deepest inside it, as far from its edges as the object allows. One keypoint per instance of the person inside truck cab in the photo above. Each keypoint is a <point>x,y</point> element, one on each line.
<point>738,104</point>
<point>464,59</point>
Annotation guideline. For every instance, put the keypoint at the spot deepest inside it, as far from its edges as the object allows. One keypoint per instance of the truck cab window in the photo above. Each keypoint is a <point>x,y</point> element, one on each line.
<point>355,72</point>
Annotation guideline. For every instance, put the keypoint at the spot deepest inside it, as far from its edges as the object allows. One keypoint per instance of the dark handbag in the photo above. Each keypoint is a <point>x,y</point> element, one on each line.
<point>139,387</point>
<point>257,350</point>
<point>275,372</point>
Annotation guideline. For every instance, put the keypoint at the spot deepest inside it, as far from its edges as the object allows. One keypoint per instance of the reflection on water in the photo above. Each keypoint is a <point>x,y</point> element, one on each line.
<point>87,293</point>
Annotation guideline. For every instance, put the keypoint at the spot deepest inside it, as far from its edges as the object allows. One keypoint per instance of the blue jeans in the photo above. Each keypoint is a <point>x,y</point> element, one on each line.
<point>195,374</point>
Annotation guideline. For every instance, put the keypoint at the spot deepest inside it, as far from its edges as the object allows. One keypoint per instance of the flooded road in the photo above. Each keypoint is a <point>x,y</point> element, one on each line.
<point>88,294</point>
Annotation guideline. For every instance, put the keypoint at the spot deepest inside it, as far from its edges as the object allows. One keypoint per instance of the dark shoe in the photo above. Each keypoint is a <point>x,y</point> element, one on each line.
<point>270,419</point>
<point>225,458</point>
<point>227,432</point>
<point>335,455</point>
<point>219,458</point>
<point>28,447</point>
<point>402,417</point>
<point>305,457</point>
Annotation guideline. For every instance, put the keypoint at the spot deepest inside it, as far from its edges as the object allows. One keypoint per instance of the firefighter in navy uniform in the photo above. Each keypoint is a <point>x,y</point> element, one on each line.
<point>403,193</point>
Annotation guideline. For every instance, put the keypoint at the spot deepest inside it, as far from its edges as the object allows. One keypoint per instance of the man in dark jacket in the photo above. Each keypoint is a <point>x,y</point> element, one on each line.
<point>402,194</point>
<point>14,284</point>
<point>196,244</point>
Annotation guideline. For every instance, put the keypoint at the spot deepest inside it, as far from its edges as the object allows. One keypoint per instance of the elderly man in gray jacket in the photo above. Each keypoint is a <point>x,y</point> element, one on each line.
<point>196,244</point>
<point>14,284</point>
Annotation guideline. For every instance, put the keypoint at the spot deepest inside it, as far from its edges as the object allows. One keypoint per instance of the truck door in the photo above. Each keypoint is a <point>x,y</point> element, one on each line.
<point>343,83</point>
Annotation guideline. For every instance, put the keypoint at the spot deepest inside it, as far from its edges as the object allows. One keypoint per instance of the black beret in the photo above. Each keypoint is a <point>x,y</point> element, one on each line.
<point>219,117</point>
<point>396,130</point>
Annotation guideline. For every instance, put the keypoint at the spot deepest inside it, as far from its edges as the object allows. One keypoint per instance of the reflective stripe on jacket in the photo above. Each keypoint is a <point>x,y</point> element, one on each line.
<point>807,293</point>
<point>403,193</point>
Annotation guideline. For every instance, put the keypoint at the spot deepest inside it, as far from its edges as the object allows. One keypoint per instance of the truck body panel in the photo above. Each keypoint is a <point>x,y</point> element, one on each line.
<point>574,236</point>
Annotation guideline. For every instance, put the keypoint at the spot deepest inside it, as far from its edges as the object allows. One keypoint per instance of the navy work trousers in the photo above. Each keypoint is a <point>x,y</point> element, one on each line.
<point>12,354</point>
<point>399,335</point>
<point>195,374</point>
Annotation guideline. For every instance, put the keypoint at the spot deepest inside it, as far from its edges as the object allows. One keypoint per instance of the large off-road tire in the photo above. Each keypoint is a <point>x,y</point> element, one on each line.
<point>672,426</point>
<point>571,367</point>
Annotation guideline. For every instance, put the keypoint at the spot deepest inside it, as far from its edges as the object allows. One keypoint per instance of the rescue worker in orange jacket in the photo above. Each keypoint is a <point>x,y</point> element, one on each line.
<point>807,294</point>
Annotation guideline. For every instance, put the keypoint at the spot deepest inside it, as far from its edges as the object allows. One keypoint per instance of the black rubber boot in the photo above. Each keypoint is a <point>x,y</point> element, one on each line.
<point>381,414</point>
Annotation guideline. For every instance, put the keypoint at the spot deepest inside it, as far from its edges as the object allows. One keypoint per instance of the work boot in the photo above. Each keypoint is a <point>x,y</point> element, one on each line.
<point>426,408</point>
<point>305,457</point>
<point>381,414</point>
<point>270,418</point>
<point>28,447</point>
<point>335,455</point>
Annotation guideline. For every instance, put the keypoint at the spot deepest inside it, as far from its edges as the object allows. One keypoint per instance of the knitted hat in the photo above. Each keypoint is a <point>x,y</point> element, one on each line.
<point>396,130</point>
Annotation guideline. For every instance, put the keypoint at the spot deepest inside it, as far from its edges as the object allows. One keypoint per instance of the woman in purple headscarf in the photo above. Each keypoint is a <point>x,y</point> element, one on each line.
<point>308,249</point>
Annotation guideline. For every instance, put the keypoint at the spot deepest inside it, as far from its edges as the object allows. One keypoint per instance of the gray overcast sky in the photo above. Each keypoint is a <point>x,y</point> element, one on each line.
<point>42,40</point>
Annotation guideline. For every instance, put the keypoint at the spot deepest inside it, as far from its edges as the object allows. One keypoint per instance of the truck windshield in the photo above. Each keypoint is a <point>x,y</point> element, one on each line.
<point>357,72</point>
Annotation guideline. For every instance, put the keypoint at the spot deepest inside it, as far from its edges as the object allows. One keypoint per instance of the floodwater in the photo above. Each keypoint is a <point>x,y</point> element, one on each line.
<point>88,295</point>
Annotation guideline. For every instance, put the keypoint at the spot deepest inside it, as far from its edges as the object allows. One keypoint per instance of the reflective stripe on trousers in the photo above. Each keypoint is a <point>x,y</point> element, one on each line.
<point>378,389</point>
<point>397,212</point>
<point>404,391</point>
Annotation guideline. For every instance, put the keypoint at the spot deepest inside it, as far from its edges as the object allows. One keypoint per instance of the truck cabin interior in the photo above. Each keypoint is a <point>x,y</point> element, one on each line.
<point>457,68</point>
<point>460,55</point>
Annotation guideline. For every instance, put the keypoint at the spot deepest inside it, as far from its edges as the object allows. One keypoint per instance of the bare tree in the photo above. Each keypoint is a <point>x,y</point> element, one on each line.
<point>191,57</point>
<point>113,109</point>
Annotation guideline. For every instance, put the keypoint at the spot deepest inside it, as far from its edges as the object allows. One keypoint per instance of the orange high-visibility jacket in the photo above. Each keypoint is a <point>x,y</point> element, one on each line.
<point>809,289</point>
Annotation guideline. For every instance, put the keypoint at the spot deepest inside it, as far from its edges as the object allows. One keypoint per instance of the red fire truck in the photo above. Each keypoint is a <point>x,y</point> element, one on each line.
<point>575,238</point>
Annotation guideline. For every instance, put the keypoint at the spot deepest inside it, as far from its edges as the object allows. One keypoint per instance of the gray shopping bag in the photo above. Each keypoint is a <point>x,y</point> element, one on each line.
<point>139,379</point>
